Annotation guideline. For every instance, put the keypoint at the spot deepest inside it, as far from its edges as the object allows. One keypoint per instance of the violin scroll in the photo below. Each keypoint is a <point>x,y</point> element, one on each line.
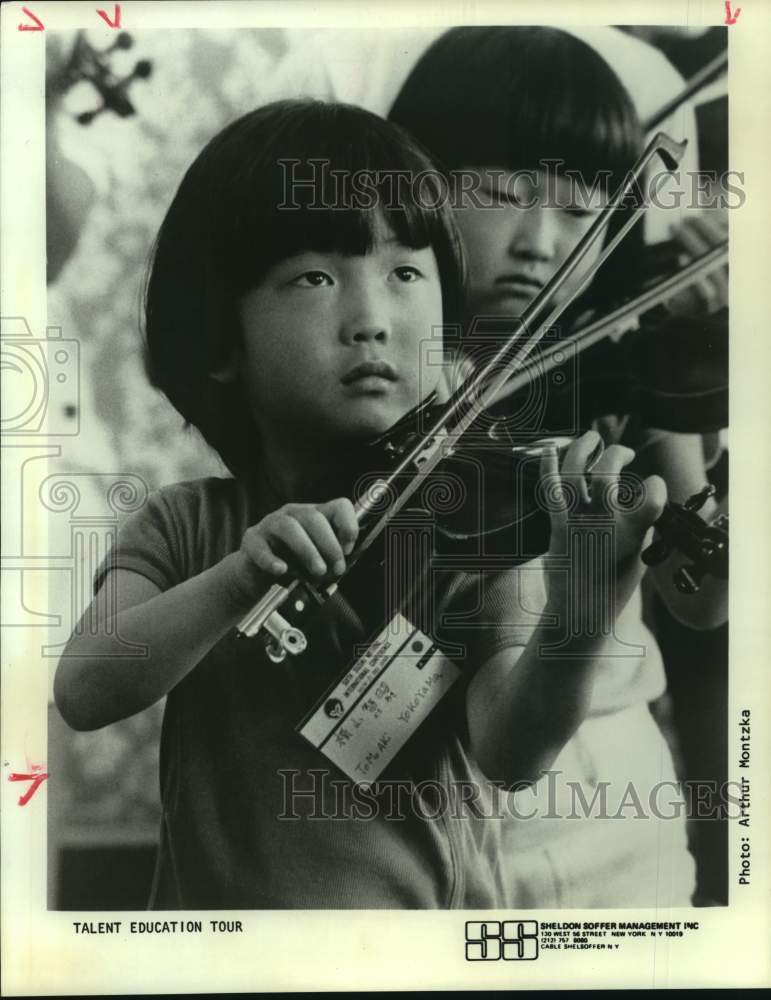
<point>706,545</point>
<point>92,65</point>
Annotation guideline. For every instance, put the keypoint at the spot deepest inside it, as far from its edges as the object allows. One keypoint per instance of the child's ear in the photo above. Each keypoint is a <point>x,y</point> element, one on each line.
<point>226,372</point>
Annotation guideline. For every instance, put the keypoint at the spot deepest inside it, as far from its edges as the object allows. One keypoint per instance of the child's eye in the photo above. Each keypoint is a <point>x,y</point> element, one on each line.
<point>579,213</point>
<point>407,273</point>
<point>312,279</point>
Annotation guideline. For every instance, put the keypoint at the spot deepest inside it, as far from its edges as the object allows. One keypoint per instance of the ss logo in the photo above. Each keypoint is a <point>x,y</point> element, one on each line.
<point>511,940</point>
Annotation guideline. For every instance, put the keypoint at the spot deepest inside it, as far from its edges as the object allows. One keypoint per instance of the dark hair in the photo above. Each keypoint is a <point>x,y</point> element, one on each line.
<point>514,96</point>
<point>511,96</point>
<point>232,219</point>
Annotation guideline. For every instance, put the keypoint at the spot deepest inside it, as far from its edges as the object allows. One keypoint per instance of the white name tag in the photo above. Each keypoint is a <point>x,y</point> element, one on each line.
<point>368,716</point>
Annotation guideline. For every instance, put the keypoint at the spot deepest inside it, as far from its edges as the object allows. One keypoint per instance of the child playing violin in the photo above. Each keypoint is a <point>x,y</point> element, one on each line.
<point>500,102</point>
<point>504,103</point>
<point>290,337</point>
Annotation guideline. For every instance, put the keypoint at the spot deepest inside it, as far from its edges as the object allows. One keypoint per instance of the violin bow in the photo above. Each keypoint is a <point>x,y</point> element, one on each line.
<point>714,68</point>
<point>464,407</point>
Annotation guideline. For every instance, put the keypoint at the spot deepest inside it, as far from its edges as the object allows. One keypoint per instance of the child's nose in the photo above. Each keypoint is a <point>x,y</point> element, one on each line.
<point>535,234</point>
<point>367,320</point>
<point>366,333</point>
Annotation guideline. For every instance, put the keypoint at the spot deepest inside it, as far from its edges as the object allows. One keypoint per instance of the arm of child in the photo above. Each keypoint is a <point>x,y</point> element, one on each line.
<point>97,683</point>
<point>522,706</point>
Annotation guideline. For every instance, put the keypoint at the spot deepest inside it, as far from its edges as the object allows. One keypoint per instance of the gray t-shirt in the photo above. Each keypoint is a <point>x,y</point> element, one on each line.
<point>254,816</point>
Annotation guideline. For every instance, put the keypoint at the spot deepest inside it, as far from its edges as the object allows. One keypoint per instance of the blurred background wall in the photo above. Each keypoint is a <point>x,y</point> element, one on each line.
<point>103,791</point>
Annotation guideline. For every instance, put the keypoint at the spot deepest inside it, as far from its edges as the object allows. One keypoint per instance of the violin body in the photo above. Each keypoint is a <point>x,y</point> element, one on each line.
<point>487,501</point>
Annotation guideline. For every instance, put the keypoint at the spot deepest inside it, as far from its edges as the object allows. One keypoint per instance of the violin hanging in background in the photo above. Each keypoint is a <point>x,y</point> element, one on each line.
<point>92,65</point>
<point>70,189</point>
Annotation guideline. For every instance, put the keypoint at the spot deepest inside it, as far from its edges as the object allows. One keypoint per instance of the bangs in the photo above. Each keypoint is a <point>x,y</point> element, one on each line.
<point>513,97</point>
<point>332,178</point>
<point>291,176</point>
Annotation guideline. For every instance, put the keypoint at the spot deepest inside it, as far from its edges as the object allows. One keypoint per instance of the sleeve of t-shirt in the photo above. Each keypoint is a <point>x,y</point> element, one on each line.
<point>486,612</point>
<point>148,542</point>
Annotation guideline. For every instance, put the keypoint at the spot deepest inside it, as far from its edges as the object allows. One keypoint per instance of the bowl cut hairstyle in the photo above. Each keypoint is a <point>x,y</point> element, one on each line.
<point>289,177</point>
<point>513,97</point>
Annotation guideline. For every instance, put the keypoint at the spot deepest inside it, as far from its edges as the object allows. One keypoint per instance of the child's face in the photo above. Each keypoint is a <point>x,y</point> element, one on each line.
<point>331,343</point>
<point>513,251</point>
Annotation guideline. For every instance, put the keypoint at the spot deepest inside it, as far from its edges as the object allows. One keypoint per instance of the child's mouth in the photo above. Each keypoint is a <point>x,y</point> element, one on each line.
<point>518,285</point>
<point>371,375</point>
<point>370,385</point>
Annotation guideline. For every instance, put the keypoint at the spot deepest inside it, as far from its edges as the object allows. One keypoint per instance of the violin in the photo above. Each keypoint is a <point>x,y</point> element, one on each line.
<point>435,435</point>
<point>70,190</point>
<point>673,372</point>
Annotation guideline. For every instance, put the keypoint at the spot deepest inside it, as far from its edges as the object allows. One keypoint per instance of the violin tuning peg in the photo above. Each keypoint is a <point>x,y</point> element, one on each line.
<point>697,501</point>
<point>656,552</point>
<point>123,41</point>
<point>143,69</point>
<point>685,580</point>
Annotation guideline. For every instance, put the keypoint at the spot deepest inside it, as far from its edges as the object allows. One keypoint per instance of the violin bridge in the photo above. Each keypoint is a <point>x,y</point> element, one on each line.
<point>441,442</point>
